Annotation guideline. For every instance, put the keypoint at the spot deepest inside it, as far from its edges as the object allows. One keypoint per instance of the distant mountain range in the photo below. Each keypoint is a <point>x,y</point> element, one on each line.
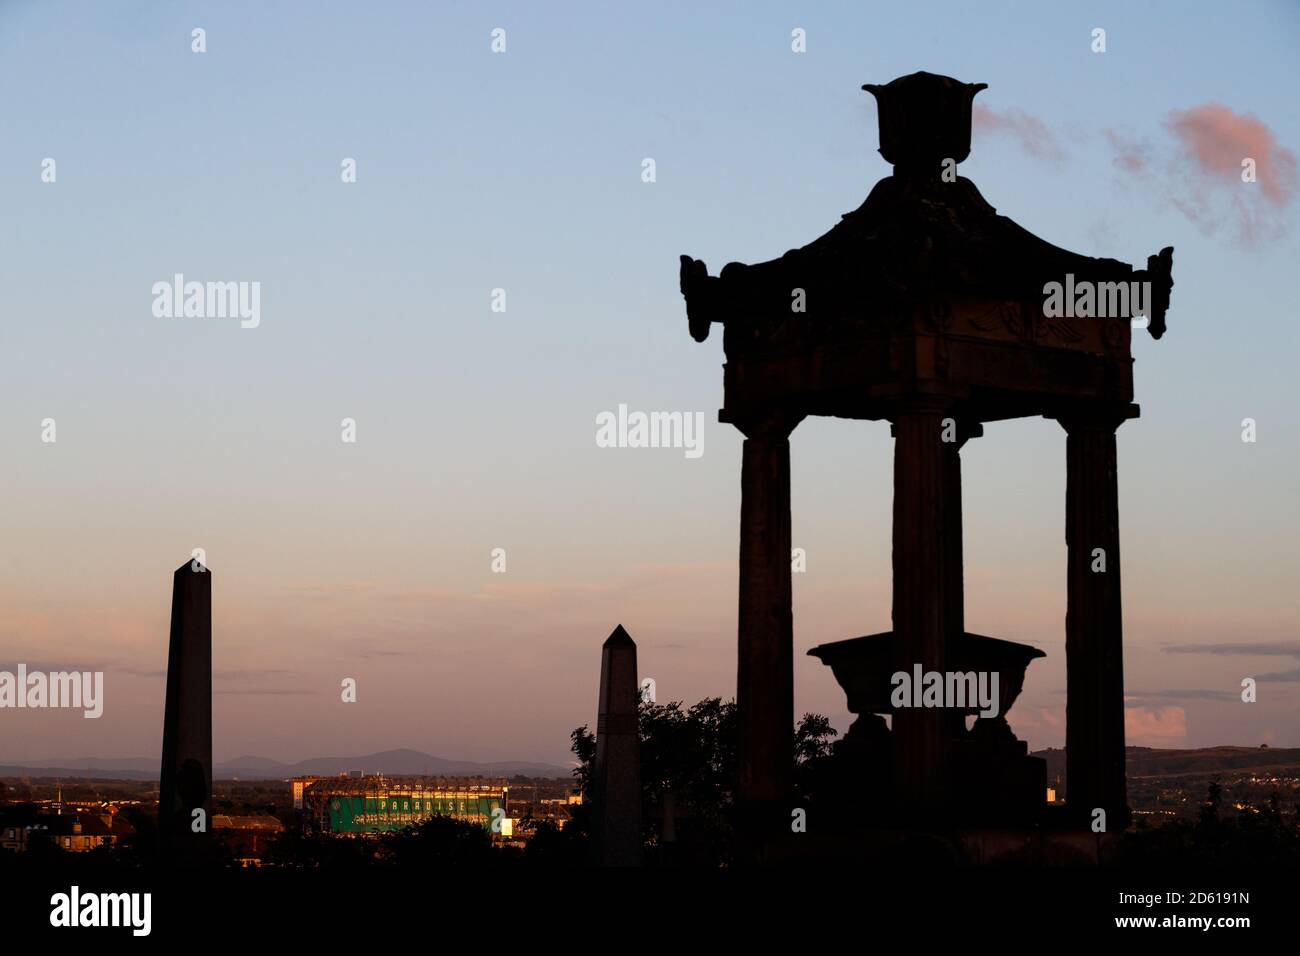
<point>1141,762</point>
<point>1157,762</point>
<point>391,762</point>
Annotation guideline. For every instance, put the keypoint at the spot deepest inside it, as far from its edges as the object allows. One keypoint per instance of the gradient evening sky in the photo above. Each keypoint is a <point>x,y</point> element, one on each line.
<point>476,429</point>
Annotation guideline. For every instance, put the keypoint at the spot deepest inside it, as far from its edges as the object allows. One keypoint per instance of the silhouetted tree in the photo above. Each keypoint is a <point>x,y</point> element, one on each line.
<point>1210,808</point>
<point>583,745</point>
<point>295,850</point>
<point>693,752</point>
<point>1252,837</point>
<point>440,840</point>
<point>815,776</point>
<point>556,846</point>
<point>812,738</point>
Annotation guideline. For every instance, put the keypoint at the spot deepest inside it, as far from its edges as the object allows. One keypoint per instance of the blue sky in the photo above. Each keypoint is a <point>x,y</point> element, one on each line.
<point>476,429</point>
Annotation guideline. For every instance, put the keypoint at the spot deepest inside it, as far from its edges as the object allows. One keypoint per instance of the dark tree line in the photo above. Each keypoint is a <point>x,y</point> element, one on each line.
<point>689,768</point>
<point>1250,835</point>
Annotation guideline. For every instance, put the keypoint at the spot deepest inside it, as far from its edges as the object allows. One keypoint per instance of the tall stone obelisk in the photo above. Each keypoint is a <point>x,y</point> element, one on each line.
<point>185,782</point>
<point>616,775</point>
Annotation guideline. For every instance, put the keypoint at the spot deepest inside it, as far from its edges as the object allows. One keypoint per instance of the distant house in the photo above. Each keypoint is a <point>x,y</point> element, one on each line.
<point>246,836</point>
<point>73,832</point>
<point>15,825</point>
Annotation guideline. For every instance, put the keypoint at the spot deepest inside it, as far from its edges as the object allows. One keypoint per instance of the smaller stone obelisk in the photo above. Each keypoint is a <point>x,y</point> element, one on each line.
<point>616,775</point>
<point>185,781</point>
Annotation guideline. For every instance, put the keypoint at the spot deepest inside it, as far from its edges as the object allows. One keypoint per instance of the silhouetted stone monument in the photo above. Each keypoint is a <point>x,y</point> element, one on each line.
<point>185,782</point>
<point>616,775</point>
<point>926,308</point>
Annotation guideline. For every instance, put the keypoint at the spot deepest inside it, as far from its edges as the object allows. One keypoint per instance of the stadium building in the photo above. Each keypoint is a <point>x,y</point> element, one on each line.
<point>377,804</point>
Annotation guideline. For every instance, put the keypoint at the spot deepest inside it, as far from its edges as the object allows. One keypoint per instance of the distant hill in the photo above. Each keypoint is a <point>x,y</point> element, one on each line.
<point>126,764</point>
<point>1141,762</point>
<point>407,762</point>
<point>1150,762</point>
<point>392,762</point>
<point>1154,762</point>
<point>18,771</point>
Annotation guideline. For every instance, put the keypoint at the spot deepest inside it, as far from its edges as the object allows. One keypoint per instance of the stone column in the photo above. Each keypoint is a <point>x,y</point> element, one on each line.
<point>765,672</point>
<point>922,475</point>
<point>963,430</point>
<point>616,772</point>
<point>1094,636</point>
<point>185,779</point>
<point>953,564</point>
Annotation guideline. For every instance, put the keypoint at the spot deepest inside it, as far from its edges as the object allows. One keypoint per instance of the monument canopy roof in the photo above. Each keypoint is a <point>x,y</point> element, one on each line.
<point>923,234</point>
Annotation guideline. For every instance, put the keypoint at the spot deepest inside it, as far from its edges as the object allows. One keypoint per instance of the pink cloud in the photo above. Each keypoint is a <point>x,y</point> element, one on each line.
<point>1154,726</point>
<point>1033,134</point>
<point>1198,171</point>
<point>1038,726</point>
<point>1219,139</point>
<point>1201,174</point>
<point>1130,155</point>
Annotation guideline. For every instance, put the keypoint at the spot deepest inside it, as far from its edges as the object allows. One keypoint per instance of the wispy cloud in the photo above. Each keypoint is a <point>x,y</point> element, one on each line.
<point>1283,676</point>
<point>1193,165</point>
<point>1199,171</point>
<point>1033,135</point>
<point>1218,140</point>
<point>382,652</point>
<point>1178,694</point>
<point>1265,649</point>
